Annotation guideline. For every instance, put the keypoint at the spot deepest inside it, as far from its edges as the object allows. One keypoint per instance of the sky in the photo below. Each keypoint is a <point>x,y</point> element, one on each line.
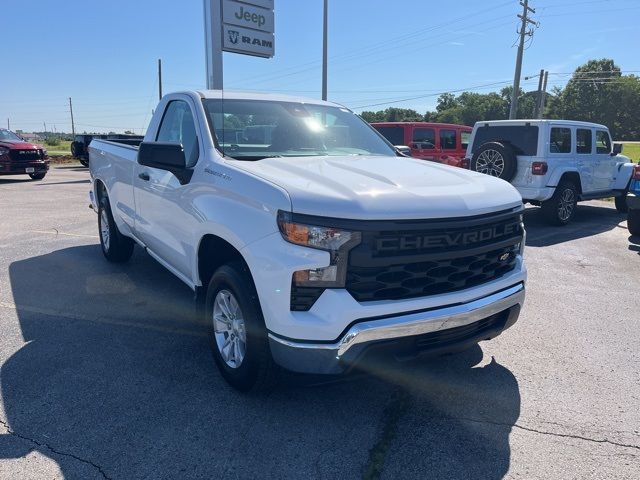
<point>104,54</point>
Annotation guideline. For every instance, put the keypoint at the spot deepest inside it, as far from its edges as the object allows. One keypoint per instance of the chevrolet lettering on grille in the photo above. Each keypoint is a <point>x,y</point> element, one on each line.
<point>458,239</point>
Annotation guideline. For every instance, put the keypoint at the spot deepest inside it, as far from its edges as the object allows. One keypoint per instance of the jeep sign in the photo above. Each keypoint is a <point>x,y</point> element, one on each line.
<point>247,27</point>
<point>249,42</point>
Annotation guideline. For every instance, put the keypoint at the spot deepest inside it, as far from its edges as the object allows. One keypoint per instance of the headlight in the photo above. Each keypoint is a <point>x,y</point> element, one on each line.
<point>3,151</point>
<point>45,154</point>
<point>336,241</point>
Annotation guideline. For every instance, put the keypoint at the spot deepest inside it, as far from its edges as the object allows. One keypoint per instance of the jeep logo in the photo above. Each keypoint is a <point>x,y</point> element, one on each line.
<point>458,239</point>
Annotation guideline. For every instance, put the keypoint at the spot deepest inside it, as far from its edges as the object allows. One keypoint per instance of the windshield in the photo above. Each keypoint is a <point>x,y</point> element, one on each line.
<point>256,129</point>
<point>9,135</point>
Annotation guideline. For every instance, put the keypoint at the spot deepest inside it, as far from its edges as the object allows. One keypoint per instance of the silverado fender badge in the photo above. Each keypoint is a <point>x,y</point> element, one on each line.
<point>505,256</point>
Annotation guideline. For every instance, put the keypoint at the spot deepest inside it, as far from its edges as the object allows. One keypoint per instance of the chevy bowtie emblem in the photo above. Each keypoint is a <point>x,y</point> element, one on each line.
<point>504,256</point>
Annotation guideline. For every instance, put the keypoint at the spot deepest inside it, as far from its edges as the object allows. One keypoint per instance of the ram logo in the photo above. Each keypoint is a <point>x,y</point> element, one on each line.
<point>234,35</point>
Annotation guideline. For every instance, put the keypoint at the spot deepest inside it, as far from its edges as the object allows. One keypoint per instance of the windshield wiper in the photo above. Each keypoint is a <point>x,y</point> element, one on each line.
<point>255,157</point>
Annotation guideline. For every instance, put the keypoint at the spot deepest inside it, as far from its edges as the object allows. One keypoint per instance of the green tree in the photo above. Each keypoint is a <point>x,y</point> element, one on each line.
<point>598,92</point>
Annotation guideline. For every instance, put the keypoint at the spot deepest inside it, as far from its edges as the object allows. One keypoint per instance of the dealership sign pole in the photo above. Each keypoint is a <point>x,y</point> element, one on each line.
<point>238,26</point>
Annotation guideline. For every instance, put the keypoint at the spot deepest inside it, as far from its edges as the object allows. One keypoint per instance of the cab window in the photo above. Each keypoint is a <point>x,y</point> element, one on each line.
<point>178,127</point>
<point>584,141</point>
<point>560,140</point>
<point>603,142</point>
<point>448,139</point>
<point>425,137</point>
<point>464,139</point>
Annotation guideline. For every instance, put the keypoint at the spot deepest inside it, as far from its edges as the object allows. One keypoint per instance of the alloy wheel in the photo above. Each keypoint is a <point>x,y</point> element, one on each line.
<point>490,162</point>
<point>566,204</point>
<point>229,328</point>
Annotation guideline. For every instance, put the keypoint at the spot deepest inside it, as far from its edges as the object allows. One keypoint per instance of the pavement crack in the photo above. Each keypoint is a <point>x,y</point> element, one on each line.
<point>391,416</point>
<point>13,433</point>
<point>553,434</point>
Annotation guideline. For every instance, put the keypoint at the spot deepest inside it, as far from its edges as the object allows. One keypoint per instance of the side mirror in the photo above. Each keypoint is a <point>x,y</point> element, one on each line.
<point>617,149</point>
<point>403,149</point>
<point>165,156</point>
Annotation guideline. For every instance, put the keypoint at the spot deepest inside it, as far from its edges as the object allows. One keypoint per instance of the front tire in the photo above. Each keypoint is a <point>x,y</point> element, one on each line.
<point>37,176</point>
<point>561,207</point>
<point>237,333</point>
<point>633,221</point>
<point>621,203</point>
<point>116,247</point>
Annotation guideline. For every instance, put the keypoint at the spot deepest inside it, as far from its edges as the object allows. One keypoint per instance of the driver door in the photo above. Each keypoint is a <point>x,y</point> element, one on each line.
<point>162,221</point>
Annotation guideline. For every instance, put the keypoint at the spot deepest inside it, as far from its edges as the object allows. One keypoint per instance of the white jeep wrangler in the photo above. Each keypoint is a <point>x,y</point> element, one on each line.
<point>552,163</point>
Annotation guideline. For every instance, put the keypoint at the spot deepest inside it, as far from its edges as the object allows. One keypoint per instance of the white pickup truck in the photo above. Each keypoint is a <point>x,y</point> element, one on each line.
<point>308,237</point>
<point>552,163</point>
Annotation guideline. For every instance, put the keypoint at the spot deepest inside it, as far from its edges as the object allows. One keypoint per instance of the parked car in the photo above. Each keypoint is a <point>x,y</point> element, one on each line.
<point>439,142</point>
<point>314,243</point>
<point>552,163</point>
<point>18,157</point>
<point>633,203</point>
<point>80,145</point>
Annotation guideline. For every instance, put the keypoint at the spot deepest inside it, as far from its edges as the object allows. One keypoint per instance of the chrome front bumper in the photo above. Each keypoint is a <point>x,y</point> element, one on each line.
<point>340,355</point>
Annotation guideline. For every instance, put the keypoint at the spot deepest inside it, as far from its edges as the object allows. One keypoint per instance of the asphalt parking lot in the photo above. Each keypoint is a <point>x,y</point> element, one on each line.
<point>105,374</point>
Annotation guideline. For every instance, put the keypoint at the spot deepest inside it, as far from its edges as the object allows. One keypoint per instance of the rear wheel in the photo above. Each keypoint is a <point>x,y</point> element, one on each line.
<point>561,207</point>
<point>621,203</point>
<point>84,161</point>
<point>633,221</point>
<point>37,176</point>
<point>238,335</point>
<point>116,247</point>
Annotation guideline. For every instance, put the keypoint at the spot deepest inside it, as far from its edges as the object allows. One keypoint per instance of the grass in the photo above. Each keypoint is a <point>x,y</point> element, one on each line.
<point>632,150</point>
<point>63,149</point>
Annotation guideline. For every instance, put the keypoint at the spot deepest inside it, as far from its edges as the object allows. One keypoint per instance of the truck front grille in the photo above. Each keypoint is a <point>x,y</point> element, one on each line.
<point>25,155</point>
<point>412,259</point>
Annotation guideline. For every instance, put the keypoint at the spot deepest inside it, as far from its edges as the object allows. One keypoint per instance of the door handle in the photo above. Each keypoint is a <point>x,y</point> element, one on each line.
<point>144,176</point>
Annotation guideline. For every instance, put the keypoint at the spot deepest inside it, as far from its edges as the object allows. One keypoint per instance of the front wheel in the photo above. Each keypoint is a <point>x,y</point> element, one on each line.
<point>238,335</point>
<point>621,203</point>
<point>37,176</point>
<point>561,207</point>
<point>633,221</point>
<point>116,247</point>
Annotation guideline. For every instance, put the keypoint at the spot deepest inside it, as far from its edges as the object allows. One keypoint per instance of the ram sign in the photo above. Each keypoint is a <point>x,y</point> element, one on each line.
<point>247,27</point>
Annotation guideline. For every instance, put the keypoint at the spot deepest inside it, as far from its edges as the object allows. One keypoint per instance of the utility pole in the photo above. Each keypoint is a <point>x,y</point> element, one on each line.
<point>159,79</point>
<point>8,125</point>
<point>45,127</point>
<point>73,125</point>
<point>543,95</point>
<point>536,110</point>
<point>523,33</point>
<point>324,50</point>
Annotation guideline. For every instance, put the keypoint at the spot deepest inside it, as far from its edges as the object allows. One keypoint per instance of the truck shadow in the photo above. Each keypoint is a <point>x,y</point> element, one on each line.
<point>116,380</point>
<point>589,220</point>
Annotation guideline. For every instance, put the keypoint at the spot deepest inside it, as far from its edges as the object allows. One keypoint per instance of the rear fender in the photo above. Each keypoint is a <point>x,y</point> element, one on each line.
<point>557,174</point>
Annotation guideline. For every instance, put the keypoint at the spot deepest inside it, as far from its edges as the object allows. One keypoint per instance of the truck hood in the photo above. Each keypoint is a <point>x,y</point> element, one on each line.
<point>376,187</point>
<point>18,145</point>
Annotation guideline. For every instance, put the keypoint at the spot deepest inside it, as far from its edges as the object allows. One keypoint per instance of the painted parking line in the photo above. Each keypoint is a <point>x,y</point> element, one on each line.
<point>100,320</point>
<point>56,232</point>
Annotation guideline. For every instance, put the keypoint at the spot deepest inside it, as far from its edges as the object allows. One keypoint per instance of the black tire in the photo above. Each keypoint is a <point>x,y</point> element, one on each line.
<point>37,176</point>
<point>561,207</point>
<point>621,203</point>
<point>256,371</point>
<point>84,161</point>
<point>633,221</point>
<point>116,247</point>
<point>496,159</point>
<point>74,149</point>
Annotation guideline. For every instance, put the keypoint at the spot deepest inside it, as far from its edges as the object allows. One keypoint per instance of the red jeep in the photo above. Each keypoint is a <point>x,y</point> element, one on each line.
<point>18,157</point>
<point>439,142</point>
